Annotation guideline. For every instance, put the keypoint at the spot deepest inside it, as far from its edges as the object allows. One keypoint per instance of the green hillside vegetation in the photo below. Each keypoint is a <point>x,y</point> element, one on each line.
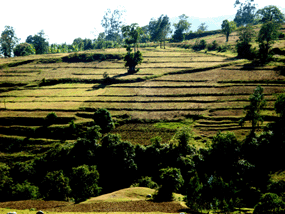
<point>180,112</point>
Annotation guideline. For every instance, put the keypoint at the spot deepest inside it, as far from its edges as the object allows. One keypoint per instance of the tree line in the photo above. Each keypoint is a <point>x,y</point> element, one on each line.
<point>224,175</point>
<point>158,30</point>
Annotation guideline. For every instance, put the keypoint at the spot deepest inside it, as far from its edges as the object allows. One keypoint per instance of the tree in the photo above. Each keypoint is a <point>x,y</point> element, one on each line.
<point>24,49</point>
<point>79,42</point>
<point>246,35</point>
<point>202,27</point>
<point>271,13</point>
<point>112,23</point>
<point>39,42</point>
<point>257,103</point>
<point>8,41</point>
<point>84,182</point>
<point>55,186</point>
<point>132,33</point>
<point>87,43</point>
<point>170,181</point>
<point>269,203</point>
<point>181,28</point>
<point>228,28</point>
<point>159,29</point>
<point>245,14</point>
<point>103,118</point>
<point>267,36</point>
<point>280,106</point>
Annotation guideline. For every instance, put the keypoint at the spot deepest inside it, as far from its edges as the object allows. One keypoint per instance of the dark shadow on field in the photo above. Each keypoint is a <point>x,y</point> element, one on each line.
<point>280,70</point>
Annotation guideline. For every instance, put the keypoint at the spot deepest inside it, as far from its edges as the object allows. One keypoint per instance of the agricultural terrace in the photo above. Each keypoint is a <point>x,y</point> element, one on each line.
<point>175,87</point>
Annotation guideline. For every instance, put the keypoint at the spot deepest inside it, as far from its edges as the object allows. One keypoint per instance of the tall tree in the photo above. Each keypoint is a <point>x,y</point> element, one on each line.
<point>246,35</point>
<point>112,22</point>
<point>159,29</point>
<point>8,41</point>
<point>246,12</point>
<point>202,27</point>
<point>181,28</point>
<point>257,103</point>
<point>228,28</point>
<point>132,34</point>
<point>268,34</point>
<point>79,42</point>
<point>271,13</point>
<point>39,42</point>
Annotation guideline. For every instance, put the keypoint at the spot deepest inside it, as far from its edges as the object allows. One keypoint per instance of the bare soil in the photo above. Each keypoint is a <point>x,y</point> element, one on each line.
<point>127,206</point>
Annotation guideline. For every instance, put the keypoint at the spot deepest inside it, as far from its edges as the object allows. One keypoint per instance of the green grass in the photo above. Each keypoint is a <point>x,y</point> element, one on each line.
<point>174,125</point>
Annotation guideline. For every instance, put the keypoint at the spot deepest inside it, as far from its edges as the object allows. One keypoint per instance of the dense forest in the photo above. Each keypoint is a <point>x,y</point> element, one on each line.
<point>225,174</point>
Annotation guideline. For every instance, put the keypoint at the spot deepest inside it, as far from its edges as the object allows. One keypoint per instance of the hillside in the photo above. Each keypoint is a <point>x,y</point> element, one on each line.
<point>174,87</point>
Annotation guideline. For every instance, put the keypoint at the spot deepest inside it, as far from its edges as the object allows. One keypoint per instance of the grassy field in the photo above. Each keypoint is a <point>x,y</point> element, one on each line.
<point>174,85</point>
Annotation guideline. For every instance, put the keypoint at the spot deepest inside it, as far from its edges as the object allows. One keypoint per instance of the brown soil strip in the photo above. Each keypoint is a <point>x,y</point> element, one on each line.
<point>37,204</point>
<point>129,206</point>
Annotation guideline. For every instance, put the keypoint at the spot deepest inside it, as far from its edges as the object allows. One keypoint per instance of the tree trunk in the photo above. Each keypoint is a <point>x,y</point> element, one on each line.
<point>132,69</point>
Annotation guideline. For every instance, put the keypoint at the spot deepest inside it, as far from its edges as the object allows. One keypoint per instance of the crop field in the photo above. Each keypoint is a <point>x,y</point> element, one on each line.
<point>172,86</point>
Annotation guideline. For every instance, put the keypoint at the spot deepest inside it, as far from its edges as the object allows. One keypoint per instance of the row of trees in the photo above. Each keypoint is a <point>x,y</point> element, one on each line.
<point>224,175</point>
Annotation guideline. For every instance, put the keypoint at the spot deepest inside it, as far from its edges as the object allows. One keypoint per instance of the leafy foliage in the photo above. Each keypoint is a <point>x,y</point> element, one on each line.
<point>132,59</point>
<point>55,186</point>
<point>268,33</point>
<point>257,103</point>
<point>170,181</point>
<point>102,118</point>
<point>112,22</point>
<point>246,35</point>
<point>181,28</point>
<point>269,203</point>
<point>270,13</point>
<point>24,49</point>
<point>8,41</point>
<point>84,182</point>
<point>245,14</point>
<point>39,42</point>
<point>228,28</point>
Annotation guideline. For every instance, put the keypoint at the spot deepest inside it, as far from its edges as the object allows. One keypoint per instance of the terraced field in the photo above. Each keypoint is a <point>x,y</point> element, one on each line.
<point>173,85</point>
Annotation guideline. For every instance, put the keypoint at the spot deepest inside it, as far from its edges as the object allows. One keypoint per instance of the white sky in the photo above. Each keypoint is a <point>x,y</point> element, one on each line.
<point>65,20</point>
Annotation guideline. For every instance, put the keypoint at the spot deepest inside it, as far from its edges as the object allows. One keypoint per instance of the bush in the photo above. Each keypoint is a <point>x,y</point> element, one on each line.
<point>199,45</point>
<point>103,118</point>
<point>25,191</point>
<point>50,119</point>
<point>24,49</point>
<point>269,203</point>
<point>170,180</point>
<point>146,182</point>
<point>214,46</point>
<point>244,50</point>
<point>224,48</point>
<point>55,186</point>
<point>84,182</point>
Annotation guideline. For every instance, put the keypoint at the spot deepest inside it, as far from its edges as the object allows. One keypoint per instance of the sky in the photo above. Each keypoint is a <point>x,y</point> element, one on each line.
<point>64,20</point>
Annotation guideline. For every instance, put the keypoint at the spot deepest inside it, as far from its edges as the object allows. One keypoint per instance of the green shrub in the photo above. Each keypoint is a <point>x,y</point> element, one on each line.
<point>269,203</point>
<point>55,186</point>
<point>25,191</point>
<point>84,182</point>
<point>224,48</point>
<point>24,49</point>
<point>170,181</point>
<point>214,46</point>
<point>50,119</point>
<point>199,45</point>
<point>146,182</point>
<point>103,118</point>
